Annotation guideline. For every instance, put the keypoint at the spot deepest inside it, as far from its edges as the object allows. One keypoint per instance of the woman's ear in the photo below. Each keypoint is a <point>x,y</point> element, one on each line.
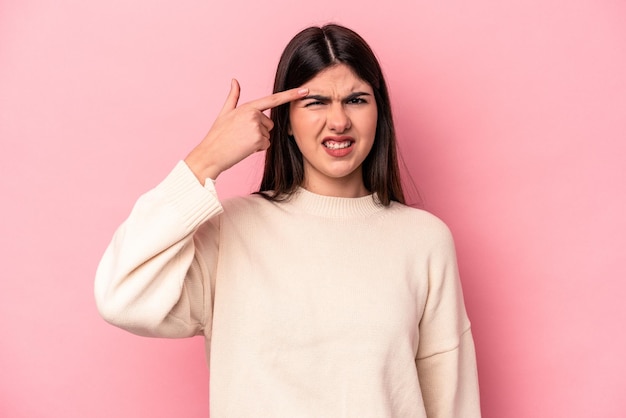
<point>289,131</point>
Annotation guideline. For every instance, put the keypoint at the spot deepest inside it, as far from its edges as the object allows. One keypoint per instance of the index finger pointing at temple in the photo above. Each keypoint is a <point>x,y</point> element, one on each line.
<point>278,99</point>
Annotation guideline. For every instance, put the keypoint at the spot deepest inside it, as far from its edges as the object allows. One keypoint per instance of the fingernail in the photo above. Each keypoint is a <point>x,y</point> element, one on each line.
<point>303,91</point>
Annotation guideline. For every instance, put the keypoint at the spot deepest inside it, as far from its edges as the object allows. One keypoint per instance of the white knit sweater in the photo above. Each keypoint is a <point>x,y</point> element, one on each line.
<point>314,307</point>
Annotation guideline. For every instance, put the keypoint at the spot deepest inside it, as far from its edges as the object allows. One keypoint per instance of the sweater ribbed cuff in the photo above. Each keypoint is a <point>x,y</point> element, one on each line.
<point>194,202</point>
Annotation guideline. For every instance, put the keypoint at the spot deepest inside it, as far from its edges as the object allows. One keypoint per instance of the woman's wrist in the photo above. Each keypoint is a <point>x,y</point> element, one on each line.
<point>202,170</point>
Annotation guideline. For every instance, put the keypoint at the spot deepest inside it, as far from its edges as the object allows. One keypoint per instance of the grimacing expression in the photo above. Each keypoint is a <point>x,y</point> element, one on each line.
<point>334,126</point>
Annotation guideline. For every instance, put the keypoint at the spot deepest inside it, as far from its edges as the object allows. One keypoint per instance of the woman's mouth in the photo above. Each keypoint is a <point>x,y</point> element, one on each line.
<point>337,144</point>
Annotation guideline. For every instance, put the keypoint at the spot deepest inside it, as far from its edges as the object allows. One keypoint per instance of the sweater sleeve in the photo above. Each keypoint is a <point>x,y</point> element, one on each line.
<point>446,360</point>
<point>154,278</point>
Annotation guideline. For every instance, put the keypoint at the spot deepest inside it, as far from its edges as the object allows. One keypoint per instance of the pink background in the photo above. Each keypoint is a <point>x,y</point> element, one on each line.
<point>512,121</point>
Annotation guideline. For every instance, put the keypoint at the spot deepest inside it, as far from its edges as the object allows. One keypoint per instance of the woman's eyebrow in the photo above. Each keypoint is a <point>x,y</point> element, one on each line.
<point>316,97</point>
<point>356,94</point>
<point>321,98</point>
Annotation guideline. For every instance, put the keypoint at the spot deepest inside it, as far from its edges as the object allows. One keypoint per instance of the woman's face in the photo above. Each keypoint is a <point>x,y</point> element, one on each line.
<point>334,128</point>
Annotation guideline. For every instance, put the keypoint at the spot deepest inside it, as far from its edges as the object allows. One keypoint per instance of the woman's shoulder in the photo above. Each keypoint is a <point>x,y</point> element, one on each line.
<point>419,221</point>
<point>252,199</point>
<point>245,205</point>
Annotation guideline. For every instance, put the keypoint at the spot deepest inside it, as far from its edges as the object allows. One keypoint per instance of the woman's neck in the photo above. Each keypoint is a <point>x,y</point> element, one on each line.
<point>337,188</point>
<point>348,186</point>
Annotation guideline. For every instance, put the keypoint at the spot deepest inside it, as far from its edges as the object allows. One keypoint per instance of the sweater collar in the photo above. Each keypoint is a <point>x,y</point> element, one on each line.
<point>334,207</point>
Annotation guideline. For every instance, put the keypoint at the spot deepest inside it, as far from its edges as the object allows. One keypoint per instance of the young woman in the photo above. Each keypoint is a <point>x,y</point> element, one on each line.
<point>322,295</point>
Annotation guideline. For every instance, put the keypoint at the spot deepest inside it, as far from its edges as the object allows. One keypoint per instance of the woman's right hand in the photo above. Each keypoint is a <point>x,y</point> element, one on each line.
<point>237,132</point>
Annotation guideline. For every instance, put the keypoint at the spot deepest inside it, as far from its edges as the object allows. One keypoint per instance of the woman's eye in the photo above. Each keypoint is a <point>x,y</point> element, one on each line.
<point>357,100</point>
<point>316,103</point>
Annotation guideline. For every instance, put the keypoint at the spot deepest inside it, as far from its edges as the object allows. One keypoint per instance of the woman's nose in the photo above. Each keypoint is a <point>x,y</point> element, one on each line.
<point>337,119</point>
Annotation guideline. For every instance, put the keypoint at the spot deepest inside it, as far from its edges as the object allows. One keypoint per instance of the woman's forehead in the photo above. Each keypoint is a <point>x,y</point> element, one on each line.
<point>337,80</point>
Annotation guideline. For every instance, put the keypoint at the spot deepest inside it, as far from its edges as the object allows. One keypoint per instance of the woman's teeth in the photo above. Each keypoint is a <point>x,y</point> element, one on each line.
<point>337,145</point>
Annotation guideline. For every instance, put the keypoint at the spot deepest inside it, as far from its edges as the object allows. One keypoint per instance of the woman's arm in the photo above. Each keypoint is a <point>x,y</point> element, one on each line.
<point>446,361</point>
<point>154,277</point>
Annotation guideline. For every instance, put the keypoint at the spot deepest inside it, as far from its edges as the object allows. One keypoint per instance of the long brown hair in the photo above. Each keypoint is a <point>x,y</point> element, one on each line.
<point>311,51</point>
